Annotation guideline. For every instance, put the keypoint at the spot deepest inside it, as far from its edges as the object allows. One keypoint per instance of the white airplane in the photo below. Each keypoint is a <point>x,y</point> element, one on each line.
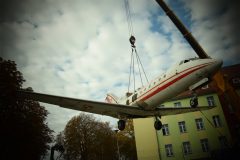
<point>145,102</point>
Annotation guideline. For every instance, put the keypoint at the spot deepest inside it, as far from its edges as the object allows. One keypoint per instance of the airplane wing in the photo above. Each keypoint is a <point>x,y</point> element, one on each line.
<point>108,109</point>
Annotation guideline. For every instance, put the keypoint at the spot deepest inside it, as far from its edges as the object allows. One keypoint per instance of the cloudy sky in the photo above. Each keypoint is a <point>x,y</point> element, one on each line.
<point>80,49</point>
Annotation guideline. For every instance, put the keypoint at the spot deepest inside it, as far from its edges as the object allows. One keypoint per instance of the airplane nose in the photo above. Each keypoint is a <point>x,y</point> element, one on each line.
<point>219,62</point>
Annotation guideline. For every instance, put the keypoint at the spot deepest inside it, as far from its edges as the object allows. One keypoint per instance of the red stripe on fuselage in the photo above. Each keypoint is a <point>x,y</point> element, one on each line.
<point>171,82</point>
<point>168,84</point>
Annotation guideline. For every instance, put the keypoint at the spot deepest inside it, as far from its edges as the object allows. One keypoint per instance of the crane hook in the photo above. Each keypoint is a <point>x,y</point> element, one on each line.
<point>132,40</point>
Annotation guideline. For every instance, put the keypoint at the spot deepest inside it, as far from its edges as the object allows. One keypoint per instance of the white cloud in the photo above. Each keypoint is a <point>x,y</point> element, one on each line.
<point>80,48</point>
<point>216,27</point>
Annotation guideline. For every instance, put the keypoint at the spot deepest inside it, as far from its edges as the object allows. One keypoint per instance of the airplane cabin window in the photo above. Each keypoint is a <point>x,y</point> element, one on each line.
<point>134,97</point>
<point>127,102</point>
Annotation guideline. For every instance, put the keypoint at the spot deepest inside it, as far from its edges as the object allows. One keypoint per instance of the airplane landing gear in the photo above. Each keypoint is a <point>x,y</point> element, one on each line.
<point>121,124</point>
<point>157,124</point>
<point>194,101</point>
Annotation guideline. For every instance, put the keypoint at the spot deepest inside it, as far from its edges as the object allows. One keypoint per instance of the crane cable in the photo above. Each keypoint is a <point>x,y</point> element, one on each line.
<point>134,53</point>
<point>130,71</point>
<point>139,61</point>
<point>129,18</point>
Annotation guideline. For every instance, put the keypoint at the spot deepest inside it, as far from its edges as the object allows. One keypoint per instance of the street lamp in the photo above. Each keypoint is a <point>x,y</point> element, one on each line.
<point>116,131</point>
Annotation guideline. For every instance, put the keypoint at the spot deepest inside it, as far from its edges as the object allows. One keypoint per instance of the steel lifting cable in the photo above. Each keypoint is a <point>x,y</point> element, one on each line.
<point>218,131</point>
<point>128,15</point>
<point>139,70</point>
<point>132,41</point>
<point>211,123</point>
<point>133,74</point>
<point>134,53</point>
<point>141,65</point>
<point>130,71</point>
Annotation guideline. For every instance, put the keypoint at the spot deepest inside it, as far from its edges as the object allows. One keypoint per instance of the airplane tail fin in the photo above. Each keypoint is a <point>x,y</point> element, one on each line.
<point>111,98</point>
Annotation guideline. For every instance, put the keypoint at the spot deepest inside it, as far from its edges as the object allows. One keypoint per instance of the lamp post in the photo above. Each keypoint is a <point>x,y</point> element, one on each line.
<point>116,131</point>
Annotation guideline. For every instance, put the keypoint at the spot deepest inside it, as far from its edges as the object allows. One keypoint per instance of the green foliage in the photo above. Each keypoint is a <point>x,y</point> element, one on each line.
<point>24,133</point>
<point>126,141</point>
<point>86,138</point>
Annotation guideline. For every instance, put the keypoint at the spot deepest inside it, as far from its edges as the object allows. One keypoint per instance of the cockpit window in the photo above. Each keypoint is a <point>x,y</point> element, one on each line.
<point>193,59</point>
<point>184,61</point>
<point>187,60</point>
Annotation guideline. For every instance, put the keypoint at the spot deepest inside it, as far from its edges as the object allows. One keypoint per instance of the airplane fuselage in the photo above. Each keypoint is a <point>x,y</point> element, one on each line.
<point>144,102</point>
<point>176,80</point>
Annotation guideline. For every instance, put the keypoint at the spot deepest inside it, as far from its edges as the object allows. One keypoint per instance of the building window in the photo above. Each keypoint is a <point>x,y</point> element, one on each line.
<point>216,121</point>
<point>205,87</point>
<point>204,144</point>
<point>169,150</point>
<point>210,101</point>
<point>165,130</point>
<point>231,110</point>
<point>223,142</point>
<point>187,148</point>
<point>134,97</point>
<point>182,127</point>
<point>161,105</point>
<point>236,80</point>
<point>177,104</point>
<point>199,124</point>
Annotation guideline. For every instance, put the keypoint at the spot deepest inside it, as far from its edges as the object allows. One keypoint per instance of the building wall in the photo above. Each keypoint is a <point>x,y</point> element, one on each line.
<point>148,140</point>
<point>238,92</point>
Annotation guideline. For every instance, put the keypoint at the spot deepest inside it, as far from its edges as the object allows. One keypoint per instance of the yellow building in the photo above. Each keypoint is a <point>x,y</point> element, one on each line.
<point>196,135</point>
<point>210,134</point>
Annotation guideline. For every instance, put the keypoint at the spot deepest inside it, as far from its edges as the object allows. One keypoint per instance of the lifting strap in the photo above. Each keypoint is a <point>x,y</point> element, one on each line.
<point>134,53</point>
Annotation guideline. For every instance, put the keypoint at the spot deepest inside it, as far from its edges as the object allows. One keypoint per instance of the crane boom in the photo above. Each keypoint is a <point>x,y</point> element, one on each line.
<point>187,35</point>
<point>226,90</point>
